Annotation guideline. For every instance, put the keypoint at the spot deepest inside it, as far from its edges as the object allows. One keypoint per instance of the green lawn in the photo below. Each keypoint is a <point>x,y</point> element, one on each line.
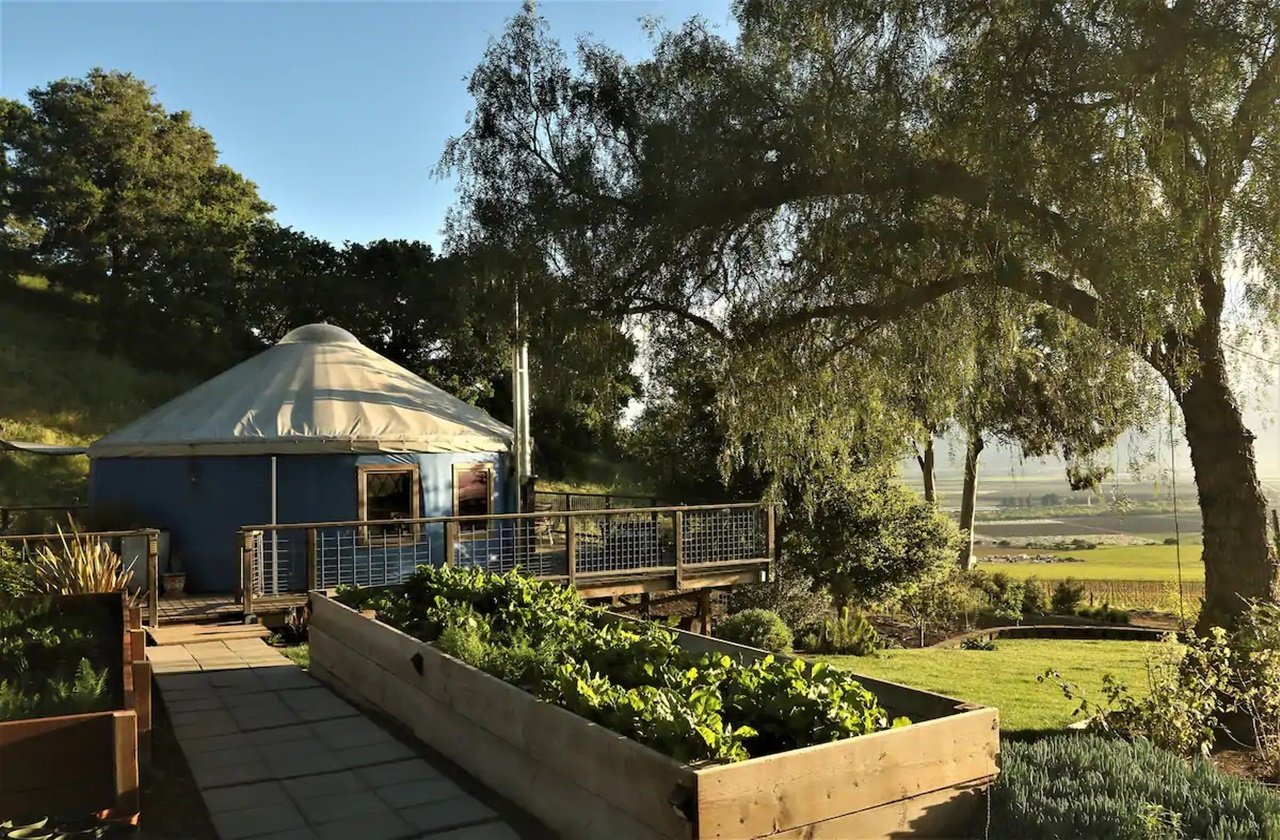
<point>1112,562</point>
<point>299,654</point>
<point>1006,677</point>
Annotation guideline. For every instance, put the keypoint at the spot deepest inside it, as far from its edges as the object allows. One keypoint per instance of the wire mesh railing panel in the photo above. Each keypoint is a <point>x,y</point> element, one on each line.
<point>535,546</point>
<point>625,540</point>
<point>359,556</point>
<point>274,558</point>
<point>712,536</point>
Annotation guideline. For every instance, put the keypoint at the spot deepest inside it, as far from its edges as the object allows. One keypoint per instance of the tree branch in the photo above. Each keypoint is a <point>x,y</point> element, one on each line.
<point>1257,103</point>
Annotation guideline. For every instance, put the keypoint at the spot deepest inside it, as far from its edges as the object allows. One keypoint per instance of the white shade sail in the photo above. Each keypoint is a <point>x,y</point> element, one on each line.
<point>317,390</point>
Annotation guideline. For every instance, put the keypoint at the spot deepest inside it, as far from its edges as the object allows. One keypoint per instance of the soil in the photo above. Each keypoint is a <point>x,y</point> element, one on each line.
<point>1243,763</point>
<point>172,806</point>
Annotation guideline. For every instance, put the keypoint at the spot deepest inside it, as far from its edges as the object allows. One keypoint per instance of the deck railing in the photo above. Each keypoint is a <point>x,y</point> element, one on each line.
<point>138,549</point>
<point>36,519</point>
<point>580,547</point>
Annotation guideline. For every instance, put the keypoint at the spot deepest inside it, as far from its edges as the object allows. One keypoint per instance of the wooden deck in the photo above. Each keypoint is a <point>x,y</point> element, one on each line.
<point>194,609</point>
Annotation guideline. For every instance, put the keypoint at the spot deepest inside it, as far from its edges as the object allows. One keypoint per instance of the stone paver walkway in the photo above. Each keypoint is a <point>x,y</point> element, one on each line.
<point>276,754</point>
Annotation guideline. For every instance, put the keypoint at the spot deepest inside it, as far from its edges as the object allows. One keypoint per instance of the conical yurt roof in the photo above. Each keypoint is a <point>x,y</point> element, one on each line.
<point>317,390</point>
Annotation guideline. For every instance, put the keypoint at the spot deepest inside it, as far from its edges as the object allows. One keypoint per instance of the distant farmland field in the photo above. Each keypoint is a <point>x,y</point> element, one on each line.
<point>1118,562</point>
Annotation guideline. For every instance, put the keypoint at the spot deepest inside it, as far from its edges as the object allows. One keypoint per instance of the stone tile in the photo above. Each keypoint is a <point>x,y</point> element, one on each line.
<point>280,735</point>
<point>295,834</point>
<point>350,732</point>
<point>250,822</point>
<point>285,762</point>
<point>196,746</point>
<point>254,770</point>
<point>266,717</point>
<point>204,703</point>
<point>184,682</point>
<point>447,813</point>
<point>386,826</point>
<point>203,724</point>
<point>239,797</point>
<point>221,758</point>
<point>495,830</point>
<point>287,680</point>
<point>339,806</point>
<point>303,788</point>
<point>415,770</point>
<point>318,704</point>
<point>419,792</point>
<point>371,754</point>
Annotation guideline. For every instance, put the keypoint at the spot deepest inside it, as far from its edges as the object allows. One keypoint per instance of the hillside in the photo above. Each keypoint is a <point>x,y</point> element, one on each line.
<point>56,386</point>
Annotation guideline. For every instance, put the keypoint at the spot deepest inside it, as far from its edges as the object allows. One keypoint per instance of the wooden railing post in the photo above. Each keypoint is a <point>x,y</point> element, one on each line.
<point>312,572</point>
<point>153,579</point>
<point>571,548</point>
<point>450,541</point>
<point>679,540</point>
<point>246,571</point>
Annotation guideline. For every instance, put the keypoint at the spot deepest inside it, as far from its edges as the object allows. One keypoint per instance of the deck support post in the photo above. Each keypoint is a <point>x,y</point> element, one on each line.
<point>153,579</point>
<point>644,604</point>
<point>704,611</point>
<point>450,541</point>
<point>246,572</point>
<point>771,535</point>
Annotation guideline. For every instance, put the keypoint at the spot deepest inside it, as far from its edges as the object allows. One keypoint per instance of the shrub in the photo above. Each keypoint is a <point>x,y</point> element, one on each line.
<point>871,537</point>
<point>15,574</point>
<point>978,643</point>
<point>1034,602</point>
<point>1067,596</point>
<point>465,644</point>
<point>1097,788</point>
<point>756,628</point>
<point>1170,540</point>
<point>1106,612</point>
<point>83,565</point>
<point>938,602</point>
<point>789,592</point>
<point>847,633</point>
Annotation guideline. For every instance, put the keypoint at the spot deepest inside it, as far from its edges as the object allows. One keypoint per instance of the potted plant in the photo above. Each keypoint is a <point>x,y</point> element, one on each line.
<point>174,581</point>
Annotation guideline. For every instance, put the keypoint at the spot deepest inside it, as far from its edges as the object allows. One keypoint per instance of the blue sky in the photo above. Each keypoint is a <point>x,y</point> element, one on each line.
<point>337,110</point>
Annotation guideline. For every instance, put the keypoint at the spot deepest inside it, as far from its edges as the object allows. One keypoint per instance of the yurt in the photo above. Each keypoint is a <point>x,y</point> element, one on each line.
<point>318,428</point>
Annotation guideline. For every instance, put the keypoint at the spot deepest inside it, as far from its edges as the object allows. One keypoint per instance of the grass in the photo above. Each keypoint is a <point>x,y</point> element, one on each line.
<point>1006,677</point>
<point>56,386</point>
<point>300,655</point>
<point>1113,562</point>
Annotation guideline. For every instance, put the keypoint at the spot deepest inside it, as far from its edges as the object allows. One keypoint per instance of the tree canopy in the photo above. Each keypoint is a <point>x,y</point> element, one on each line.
<point>844,163</point>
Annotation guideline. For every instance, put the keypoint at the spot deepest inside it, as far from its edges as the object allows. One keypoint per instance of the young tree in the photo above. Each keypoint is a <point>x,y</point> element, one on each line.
<point>846,162</point>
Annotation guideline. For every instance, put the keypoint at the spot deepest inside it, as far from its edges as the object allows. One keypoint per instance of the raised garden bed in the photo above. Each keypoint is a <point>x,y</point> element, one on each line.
<point>583,780</point>
<point>77,711</point>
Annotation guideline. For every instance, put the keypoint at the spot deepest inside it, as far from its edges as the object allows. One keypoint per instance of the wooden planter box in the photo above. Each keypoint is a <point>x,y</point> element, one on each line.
<point>582,780</point>
<point>86,763</point>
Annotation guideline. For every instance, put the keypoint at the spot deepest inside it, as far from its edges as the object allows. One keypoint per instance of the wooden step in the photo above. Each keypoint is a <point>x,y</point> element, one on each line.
<point>184,634</point>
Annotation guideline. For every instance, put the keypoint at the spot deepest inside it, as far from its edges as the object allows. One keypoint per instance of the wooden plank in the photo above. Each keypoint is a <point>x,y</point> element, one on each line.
<point>69,763</point>
<point>704,611</point>
<point>153,579</point>
<point>142,706</point>
<point>944,814</point>
<point>571,548</point>
<point>128,802</point>
<point>774,793</point>
<point>678,537</point>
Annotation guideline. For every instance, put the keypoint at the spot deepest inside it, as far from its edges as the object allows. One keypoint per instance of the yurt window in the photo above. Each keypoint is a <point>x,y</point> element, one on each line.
<point>388,492</point>
<point>473,493</point>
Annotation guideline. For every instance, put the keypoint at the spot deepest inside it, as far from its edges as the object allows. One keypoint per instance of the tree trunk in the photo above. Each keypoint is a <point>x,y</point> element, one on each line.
<point>1238,561</point>
<point>925,460</point>
<point>969,500</point>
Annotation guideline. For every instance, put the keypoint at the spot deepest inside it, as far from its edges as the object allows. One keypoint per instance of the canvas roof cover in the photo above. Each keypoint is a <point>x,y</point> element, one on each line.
<point>317,390</point>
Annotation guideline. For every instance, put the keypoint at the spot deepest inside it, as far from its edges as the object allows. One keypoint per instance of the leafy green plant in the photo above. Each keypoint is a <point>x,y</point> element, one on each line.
<point>52,658</point>
<point>15,574</point>
<point>1092,787</point>
<point>758,629</point>
<point>629,677</point>
<point>848,632</point>
<point>978,643</point>
<point>1067,596</point>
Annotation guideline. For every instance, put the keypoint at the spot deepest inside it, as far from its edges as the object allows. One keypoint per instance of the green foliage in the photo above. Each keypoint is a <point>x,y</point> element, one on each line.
<point>871,536</point>
<point>1083,787</point>
<point>1067,596</point>
<point>789,592</point>
<point>1105,612</point>
<point>757,628</point>
<point>846,633</point>
<point>940,601</point>
<point>1034,601</point>
<point>53,658</point>
<point>15,574</point>
<point>978,643</point>
<point>629,677</point>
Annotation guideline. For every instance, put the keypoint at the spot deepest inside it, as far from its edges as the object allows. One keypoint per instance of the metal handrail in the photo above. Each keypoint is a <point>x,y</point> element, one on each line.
<point>432,520</point>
